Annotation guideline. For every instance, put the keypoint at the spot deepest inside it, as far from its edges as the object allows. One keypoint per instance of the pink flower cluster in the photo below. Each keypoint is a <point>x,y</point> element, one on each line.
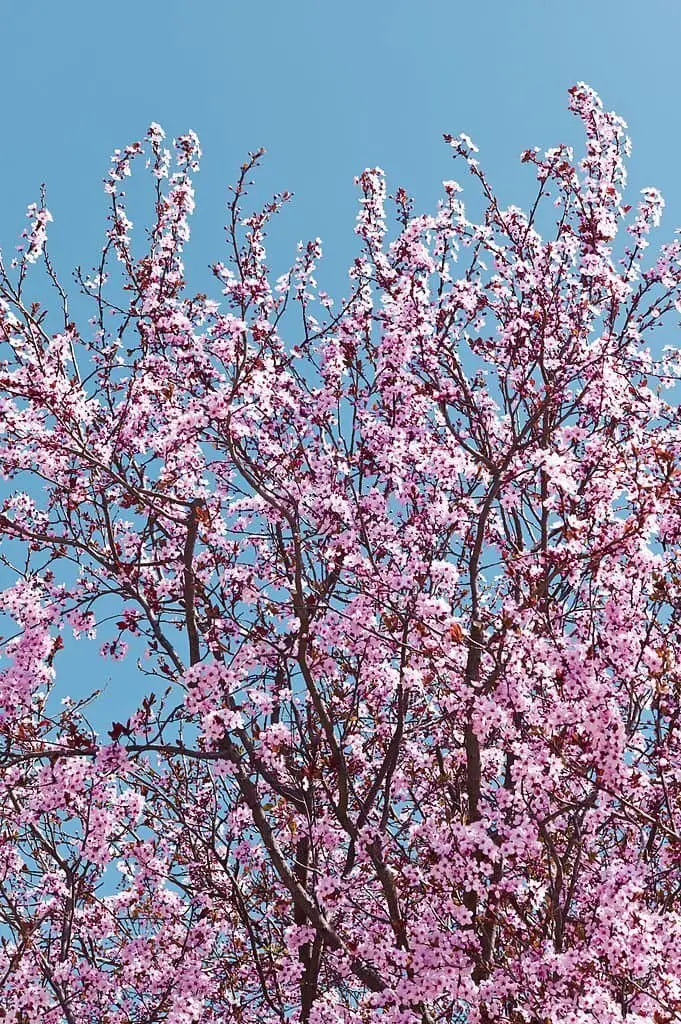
<point>397,582</point>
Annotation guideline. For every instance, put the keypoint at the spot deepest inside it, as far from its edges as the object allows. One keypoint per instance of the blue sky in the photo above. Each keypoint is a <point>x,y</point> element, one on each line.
<point>328,88</point>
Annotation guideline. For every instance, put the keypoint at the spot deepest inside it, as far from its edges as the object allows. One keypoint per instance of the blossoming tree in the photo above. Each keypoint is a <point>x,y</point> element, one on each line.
<point>397,584</point>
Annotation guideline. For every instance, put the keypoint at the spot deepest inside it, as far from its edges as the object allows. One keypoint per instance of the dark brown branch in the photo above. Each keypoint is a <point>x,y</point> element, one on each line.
<point>190,582</point>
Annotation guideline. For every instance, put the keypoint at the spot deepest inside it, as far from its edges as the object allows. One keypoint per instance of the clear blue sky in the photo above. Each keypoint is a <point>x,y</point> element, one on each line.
<point>328,88</point>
